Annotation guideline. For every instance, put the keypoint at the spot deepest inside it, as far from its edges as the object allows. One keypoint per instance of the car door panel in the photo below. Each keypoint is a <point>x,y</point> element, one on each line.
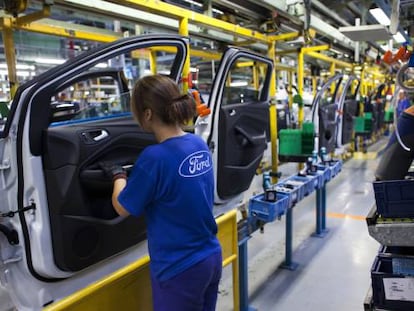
<point>347,110</point>
<point>66,201</point>
<point>239,130</point>
<point>327,127</point>
<point>79,193</point>
<point>241,145</point>
<point>69,235</point>
<point>349,113</point>
<point>325,112</point>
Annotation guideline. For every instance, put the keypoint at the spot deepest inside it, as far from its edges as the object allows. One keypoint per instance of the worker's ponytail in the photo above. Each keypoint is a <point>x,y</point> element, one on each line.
<point>181,109</point>
<point>163,97</point>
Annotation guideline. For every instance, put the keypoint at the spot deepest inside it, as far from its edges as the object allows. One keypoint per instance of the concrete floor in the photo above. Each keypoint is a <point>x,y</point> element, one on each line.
<point>334,271</point>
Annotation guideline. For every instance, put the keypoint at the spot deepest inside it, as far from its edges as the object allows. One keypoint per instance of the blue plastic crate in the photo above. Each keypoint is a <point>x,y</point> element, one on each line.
<point>335,166</point>
<point>402,265</point>
<point>318,179</point>
<point>394,198</point>
<point>402,258</point>
<point>294,189</point>
<point>327,172</point>
<point>268,211</point>
<point>308,183</point>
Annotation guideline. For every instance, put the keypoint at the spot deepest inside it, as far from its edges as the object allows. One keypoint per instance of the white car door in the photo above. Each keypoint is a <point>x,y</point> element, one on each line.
<point>58,229</point>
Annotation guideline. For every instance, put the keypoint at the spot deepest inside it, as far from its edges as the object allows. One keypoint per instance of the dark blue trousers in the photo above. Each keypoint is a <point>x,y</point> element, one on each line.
<point>195,289</point>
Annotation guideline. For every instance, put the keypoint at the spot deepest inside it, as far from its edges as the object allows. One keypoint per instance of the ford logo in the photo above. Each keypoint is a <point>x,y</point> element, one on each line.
<point>196,164</point>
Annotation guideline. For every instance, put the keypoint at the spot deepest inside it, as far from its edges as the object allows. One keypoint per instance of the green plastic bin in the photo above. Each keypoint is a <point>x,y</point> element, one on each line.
<point>389,116</point>
<point>290,142</point>
<point>368,121</point>
<point>359,125</point>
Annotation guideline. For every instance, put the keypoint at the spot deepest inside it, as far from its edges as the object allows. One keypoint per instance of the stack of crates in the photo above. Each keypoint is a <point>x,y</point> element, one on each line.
<point>392,276</point>
<point>363,124</point>
<point>389,115</point>
<point>290,142</point>
<point>392,273</point>
<point>368,122</point>
<point>297,142</point>
<point>308,134</point>
<point>359,125</point>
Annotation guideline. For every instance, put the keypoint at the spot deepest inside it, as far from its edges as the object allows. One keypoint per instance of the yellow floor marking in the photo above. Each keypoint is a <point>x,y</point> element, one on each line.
<point>365,155</point>
<point>340,215</point>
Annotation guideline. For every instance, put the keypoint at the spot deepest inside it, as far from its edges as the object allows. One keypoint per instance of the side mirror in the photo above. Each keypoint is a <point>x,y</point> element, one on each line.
<point>63,110</point>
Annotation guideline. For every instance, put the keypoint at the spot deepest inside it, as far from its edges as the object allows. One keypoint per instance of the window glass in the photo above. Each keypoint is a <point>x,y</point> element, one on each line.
<point>244,82</point>
<point>104,91</point>
<point>340,90</point>
<point>326,97</point>
<point>202,77</point>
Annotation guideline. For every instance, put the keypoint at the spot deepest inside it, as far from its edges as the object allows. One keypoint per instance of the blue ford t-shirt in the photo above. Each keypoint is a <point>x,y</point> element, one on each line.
<point>172,183</point>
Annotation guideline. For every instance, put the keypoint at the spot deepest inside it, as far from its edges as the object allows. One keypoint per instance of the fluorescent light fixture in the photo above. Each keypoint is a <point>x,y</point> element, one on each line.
<point>384,47</point>
<point>399,38</point>
<point>101,65</point>
<point>20,73</point>
<point>19,66</point>
<point>193,3</point>
<point>51,61</point>
<point>239,83</point>
<point>380,16</point>
<point>217,11</point>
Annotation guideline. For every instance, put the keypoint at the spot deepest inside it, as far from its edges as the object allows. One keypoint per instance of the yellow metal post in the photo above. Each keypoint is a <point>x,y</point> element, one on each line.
<point>332,69</point>
<point>256,74</point>
<point>10,55</point>
<point>363,82</point>
<point>290,94</point>
<point>153,61</point>
<point>183,30</point>
<point>273,112</point>
<point>332,72</point>
<point>227,235</point>
<point>300,85</point>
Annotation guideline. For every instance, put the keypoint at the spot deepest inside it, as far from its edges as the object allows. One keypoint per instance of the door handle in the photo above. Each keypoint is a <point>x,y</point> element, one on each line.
<point>102,134</point>
<point>93,136</point>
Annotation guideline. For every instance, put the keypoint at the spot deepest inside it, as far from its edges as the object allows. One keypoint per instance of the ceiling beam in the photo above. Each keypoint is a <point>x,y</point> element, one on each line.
<point>172,11</point>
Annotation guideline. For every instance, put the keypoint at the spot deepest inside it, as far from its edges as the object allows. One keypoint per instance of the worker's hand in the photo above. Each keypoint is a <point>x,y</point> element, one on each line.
<point>112,170</point>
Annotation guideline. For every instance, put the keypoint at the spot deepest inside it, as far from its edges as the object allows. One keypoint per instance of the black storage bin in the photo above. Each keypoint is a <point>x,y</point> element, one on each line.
<point>396,251</point>
<point>394,198</point>
<point>391,291</point>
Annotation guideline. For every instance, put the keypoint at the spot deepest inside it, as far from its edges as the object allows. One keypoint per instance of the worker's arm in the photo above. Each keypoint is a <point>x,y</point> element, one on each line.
<point>119,185</point>
<point>410,110</point>
<point>119,177</point>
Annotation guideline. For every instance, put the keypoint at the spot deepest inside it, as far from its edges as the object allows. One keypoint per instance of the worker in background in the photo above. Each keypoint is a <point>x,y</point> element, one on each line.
<point>403,102</point>
<point>396,158</point>
<point>172,185</point>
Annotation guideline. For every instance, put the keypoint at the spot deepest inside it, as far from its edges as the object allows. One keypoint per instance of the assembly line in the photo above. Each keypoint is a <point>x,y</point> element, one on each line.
<point>206,155</point>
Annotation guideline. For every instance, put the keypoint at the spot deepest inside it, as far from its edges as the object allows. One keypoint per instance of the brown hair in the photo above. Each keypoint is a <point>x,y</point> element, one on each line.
<point>162,95</point>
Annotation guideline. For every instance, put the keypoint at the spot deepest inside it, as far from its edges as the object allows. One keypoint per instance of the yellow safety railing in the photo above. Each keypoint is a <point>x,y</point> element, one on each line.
<point>130,288</point>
